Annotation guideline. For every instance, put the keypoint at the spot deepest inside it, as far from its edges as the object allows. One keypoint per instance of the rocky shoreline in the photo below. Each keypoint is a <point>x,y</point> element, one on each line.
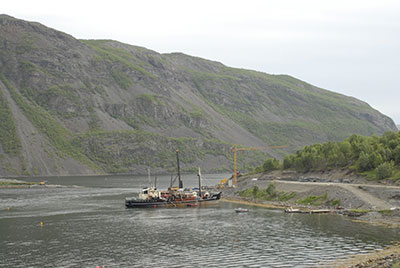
<point>387,261</point>
<point>386,258</point>
<point>18,184</point>
<point>388,218</point>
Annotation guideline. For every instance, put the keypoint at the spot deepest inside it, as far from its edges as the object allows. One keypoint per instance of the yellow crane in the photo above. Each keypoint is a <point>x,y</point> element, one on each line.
<point>236,149</point>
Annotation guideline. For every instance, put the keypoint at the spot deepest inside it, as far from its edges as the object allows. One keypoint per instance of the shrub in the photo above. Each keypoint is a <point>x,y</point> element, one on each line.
<point>271,189</point>
<point>271,164</point>
<point>255,191</point>
<point>314,200</point>
<point>268,193</point>
<point>286,196</point>
<point>335,203</point>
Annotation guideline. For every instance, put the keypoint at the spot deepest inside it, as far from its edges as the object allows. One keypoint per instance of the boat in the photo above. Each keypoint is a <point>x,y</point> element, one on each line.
<point>293,210</point>
<point>308,211</point>
<point>173,196</point>
<point>241,210</point>
<point>151,197</point>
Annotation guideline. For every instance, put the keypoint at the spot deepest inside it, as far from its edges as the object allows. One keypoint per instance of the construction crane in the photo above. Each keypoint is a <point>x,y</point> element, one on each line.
<point>236,149</point>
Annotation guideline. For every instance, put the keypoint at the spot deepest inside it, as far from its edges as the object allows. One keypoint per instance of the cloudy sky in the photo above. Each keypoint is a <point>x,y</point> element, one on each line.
<point>347,46</point>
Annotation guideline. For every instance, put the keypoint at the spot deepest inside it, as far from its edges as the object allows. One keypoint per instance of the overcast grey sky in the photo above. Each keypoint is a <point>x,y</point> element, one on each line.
<point>347,46</point>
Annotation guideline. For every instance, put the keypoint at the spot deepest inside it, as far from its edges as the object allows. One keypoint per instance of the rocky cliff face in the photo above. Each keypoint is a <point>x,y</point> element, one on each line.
<point>88,106</point>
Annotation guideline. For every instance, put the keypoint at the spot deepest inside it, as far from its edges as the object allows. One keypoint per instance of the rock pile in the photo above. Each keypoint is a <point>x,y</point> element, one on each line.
<point>389,261</point>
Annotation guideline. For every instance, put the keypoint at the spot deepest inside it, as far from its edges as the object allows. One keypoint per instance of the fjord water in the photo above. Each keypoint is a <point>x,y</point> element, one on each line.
<point>88,226</point>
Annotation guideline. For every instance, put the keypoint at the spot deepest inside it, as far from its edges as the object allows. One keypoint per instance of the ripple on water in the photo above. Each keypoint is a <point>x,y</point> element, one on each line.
<point>90,227</point>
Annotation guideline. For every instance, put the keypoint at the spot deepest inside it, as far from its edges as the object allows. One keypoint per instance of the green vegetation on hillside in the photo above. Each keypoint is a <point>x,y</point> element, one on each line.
<point>375,157</point>
<point>121,79</point>
<point>26,44</point>
<point>313,200</point>
<point>270,193</point>
<point>149,99</point>
<point>58,135</point>
<point>9,139</point>
<point>244,95</point>
<point>65,93</point>
<point>116,56</point>
<point>113,151</point>
<point>120,151</point>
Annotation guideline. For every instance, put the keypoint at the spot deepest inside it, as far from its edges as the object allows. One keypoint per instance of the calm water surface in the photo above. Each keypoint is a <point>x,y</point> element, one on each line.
<point>89,226</point>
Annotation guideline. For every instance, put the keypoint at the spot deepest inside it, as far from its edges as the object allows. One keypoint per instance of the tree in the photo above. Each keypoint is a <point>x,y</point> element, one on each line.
<point>271,164</point>
<point>255,191</point>
<point>288,161</point>
<point>308,162</point>
<point>375,160</point>
<point>345,148</point>
<point>363,162</point>
<point>396,154</point>
<point>271,190</point>
<point>384,170</point>
<point>356,143</point>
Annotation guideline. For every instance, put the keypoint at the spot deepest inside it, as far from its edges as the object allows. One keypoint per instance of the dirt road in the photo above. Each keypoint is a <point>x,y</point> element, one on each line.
<point>360,191</point>
<point>351,195</point>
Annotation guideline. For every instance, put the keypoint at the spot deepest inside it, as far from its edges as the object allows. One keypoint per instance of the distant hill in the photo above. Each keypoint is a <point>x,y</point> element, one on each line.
<point>73,106</point>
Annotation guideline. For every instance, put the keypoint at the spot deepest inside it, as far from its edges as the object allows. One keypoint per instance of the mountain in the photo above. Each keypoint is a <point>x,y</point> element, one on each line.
<point>73,106</point>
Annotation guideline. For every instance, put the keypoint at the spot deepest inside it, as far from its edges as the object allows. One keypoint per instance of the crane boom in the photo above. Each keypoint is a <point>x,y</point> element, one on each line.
<point>236,149</point>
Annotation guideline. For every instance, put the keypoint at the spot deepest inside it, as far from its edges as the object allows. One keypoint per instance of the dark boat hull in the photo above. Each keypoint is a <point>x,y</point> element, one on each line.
<point>135,203</point>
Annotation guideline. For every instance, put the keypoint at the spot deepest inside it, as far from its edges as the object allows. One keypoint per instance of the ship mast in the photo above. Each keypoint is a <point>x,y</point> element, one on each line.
<point>199,174</point>
<point>148,176</point>
<point>179,170</point>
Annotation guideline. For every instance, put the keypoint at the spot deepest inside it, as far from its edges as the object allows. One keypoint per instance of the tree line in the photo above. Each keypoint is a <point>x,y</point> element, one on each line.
<point>377,157</point>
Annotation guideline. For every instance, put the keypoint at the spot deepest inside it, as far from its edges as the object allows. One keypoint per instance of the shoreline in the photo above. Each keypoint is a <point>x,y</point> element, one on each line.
<point>19,184</point>
<point>387,221</point>
<point>390,255</point>
<point>250,203</point>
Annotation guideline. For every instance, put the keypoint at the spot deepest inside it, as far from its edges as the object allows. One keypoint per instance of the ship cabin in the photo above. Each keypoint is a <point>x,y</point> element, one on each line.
<point>149,193</point>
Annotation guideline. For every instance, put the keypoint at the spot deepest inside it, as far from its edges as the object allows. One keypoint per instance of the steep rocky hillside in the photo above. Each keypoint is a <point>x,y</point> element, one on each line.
<point>73,106</point>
